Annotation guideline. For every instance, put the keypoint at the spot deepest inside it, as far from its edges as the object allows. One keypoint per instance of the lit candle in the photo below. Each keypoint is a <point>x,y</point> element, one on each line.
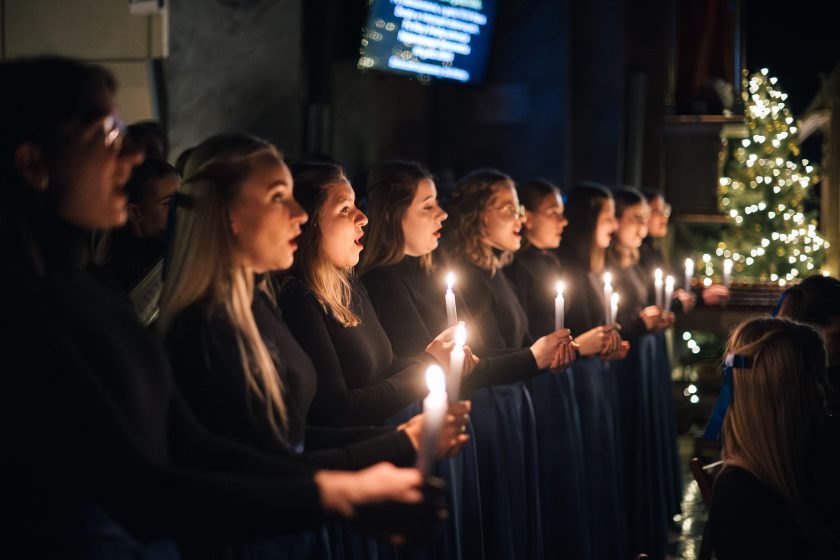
<point>657,286</point>
<point>689,273</point>
<point>608,292</point>
<point>434,409</point>
<point>669,291</point>
<point>456,363</point>
<point>727,272</point>
<point>613,307</point>
<point>559,307</point>
<point>451,312</point>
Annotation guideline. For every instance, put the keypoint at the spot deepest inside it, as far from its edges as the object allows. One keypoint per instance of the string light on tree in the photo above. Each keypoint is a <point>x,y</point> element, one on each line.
<point>763,191</point>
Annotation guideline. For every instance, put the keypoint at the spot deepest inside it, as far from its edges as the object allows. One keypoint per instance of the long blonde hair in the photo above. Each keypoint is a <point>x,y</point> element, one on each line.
<point>475,192</point>
<point>329,284</point>
<point>203,261</point>
<point>777,406</point>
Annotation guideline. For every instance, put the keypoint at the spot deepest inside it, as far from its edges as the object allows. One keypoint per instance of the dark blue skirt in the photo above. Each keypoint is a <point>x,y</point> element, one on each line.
<point>505,433</point>
<point>649,437</point>
<point>565,515</point>
<point>463,537</point>
<point>596,393</point>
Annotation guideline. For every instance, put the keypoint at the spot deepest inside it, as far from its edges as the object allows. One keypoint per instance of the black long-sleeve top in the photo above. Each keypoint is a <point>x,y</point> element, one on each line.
<point>208,371</point>
<point>89,413</point>
<point>635,290</point>
<point>651,258</point>
<point>534,274</point>
<point>360,380</point>
<point>493,305</point>
<point>410,304</point>
<point>130,258</point>
<point>584,297</point>
<point>750,520</point>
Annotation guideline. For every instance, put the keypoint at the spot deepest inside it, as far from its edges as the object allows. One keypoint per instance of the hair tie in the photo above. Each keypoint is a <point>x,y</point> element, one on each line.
<point>779,303</point>
<point>731,362</point>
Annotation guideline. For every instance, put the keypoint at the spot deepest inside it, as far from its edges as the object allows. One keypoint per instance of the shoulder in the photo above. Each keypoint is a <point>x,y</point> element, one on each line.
<point>198,324</point>
<point>738,495</point>
<point>295,295</point>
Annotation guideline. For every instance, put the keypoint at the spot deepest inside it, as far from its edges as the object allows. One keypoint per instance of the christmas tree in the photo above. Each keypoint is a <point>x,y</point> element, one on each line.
<point>763,189</point>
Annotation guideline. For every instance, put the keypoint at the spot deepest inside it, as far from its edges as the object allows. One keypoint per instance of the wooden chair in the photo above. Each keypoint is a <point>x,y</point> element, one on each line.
<point>705,477</point>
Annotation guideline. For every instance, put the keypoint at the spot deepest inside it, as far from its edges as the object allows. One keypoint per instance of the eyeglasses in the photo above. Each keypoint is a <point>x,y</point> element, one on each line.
<point>512,212</point>
<point>666,211</point>
<point>114,130</point>
<point>553,215</point>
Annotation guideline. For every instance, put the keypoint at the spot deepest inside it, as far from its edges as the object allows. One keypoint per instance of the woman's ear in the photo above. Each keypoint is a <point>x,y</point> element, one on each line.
<point>29,162</point>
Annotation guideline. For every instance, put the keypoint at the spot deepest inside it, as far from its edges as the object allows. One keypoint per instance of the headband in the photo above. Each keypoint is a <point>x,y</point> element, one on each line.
<point>716,421</point>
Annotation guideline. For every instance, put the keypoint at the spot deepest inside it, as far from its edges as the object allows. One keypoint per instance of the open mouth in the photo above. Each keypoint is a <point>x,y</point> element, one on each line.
<point>358,240</point>
<point>436,234</point>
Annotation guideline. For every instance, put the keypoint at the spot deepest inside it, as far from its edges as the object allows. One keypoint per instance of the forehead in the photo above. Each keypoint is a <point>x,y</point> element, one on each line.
<point>269,168</point>
<point>340,191</point>
<point>504,193</point>
<point>425,188</point>
<point>551,201</point>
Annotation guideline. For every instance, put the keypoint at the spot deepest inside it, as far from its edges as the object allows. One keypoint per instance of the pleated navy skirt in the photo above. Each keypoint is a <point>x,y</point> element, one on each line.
<point>505,433</point>
<point>596,394</point>
<point>650,456</point>
<point>463,537</point>
<point>563,503</point>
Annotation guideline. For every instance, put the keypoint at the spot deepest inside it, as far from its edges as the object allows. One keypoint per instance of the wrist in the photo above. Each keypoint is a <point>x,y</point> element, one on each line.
<point>334,492</point>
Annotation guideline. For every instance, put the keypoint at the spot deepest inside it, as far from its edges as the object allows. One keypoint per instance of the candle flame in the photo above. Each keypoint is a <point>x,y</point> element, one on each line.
<point>460,335</point>
<point>450,280</point>
<point>607,278</point>
<point>727,265</point>
<point>669,281</point>
<point>658,274</point>
<point>689,263</point>
<point>560,286</point>
<point>435,380</point>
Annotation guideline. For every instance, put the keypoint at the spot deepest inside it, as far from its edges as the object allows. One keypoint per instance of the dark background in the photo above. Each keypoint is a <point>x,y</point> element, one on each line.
<point>574,90</point>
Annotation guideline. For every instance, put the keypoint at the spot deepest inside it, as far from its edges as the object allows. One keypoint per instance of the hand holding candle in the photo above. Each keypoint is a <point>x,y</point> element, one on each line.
<point>434,411</point>
<point>451,311</point>
<point>456,363</point>
<point>559,307</point>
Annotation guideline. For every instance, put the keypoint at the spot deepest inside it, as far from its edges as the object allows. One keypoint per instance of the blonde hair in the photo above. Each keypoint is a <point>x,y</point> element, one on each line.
<point>777,405</point>
<point>203,261</point>
<point>328,283</point>
<point>474,194</point>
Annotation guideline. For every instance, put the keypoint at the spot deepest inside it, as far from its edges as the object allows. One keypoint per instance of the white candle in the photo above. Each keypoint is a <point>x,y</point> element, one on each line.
<point>608,292</point>
<point>451,312</point>
<point>657,286</point>
<point>434,409</point>
<point>689,273</point>
<point>559,306</point>
<point>613,307</point>
<point>669,291</point>
<point>727,272</point>
<point>456,363</point>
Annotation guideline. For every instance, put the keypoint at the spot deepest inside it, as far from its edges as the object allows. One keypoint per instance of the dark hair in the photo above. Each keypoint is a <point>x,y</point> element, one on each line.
<point>583,205</point>
<point>150,137</point>
<point>472,197</point>
<point>650,193</point>
<point>625,197</point>
<point>391,187</point>
<point>533,191</point>
<point>815,300</point>
<point>40,100</point>
<point>145,173</point>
